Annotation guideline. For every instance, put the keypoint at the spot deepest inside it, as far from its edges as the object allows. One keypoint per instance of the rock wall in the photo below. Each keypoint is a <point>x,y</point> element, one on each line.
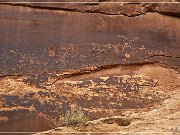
<point>56,56</point>
<point>36,42</point>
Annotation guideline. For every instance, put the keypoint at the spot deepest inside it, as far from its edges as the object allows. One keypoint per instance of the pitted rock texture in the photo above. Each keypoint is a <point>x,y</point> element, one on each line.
<point>163,119</point>
<point>100,94</point>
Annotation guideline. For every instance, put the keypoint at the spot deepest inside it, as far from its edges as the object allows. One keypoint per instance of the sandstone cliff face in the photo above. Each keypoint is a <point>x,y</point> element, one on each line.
<point>97,56</point>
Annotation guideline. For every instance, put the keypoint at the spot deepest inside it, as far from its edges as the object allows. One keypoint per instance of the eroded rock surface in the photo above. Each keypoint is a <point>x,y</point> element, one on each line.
<point>109,7</point>
<point>104,58</point>
<point>100,94</point>
<point>38,42</point>
<point>162,120</point>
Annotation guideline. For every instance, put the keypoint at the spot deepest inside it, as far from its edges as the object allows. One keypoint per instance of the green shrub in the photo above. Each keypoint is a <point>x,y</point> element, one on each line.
<point>75,117</point>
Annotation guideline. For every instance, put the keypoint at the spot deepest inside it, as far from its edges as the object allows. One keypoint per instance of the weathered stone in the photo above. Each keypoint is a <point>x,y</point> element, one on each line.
<point>37,42</point>
<point>102,57</point>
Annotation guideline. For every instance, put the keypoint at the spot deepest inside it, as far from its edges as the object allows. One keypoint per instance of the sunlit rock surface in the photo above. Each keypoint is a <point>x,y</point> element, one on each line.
<point>103,58</point>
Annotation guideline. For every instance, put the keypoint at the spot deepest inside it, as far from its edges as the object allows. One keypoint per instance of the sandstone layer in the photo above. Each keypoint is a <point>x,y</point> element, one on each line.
<point>104,58</point>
